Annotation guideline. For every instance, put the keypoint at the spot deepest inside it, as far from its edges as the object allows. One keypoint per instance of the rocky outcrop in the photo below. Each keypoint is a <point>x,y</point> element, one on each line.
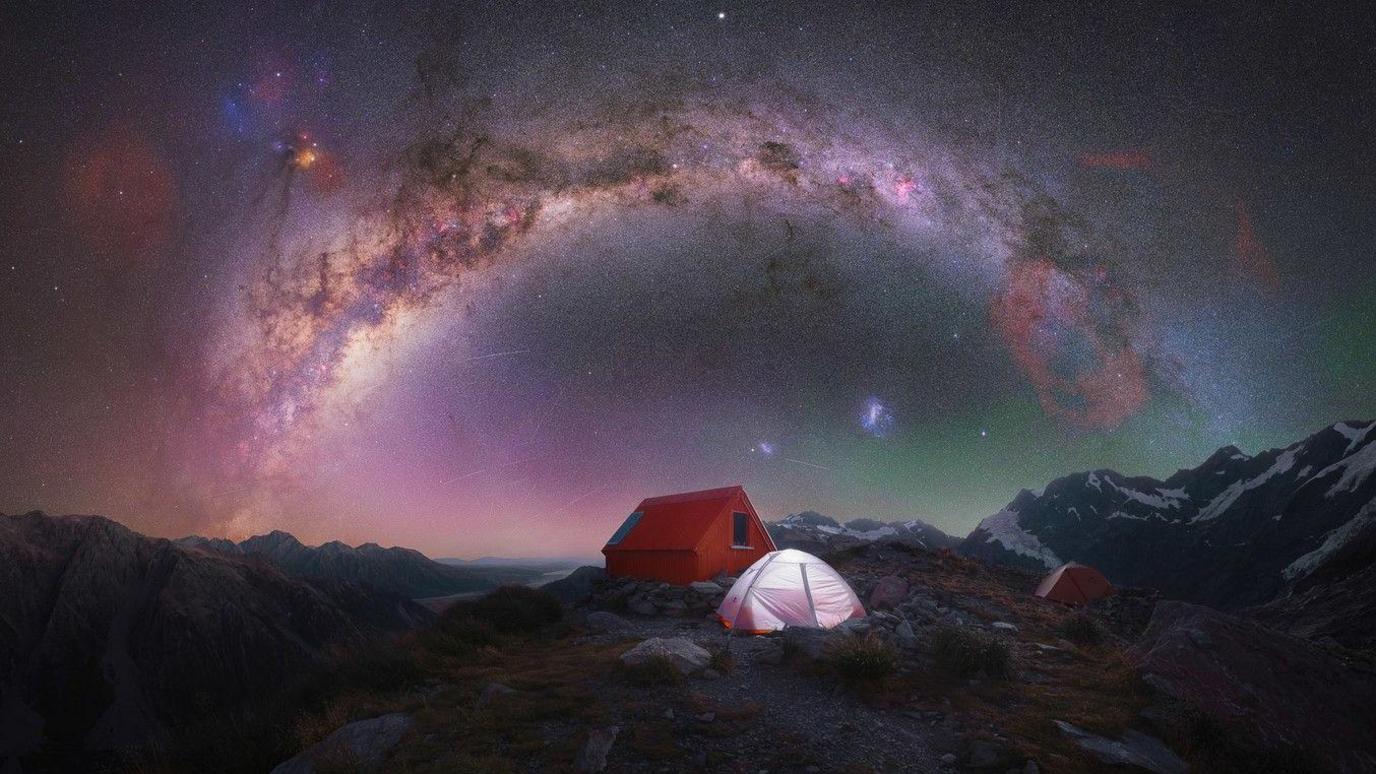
<point>1266,689</point>
<point>577,586</point>
<point>110,639</point>
<point>647,598</point>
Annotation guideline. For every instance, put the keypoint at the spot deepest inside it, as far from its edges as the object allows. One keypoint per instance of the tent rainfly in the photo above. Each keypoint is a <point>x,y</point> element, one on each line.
<point>1074,584</point>
<point>788,588</point>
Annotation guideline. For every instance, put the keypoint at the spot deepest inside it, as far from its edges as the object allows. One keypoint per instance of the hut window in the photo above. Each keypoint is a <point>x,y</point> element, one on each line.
<point>740,530</point>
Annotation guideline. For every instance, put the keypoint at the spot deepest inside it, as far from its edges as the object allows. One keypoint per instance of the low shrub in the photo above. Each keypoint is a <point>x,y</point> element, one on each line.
<point>656,670</point>
<point>513,609</point>
<point>866,658</point>
<point>1084,629</point>
<point>964,651</point>
<point>505,611</point>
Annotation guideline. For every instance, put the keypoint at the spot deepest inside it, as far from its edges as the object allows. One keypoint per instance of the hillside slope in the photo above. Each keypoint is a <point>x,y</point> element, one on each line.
<point>110,639</point>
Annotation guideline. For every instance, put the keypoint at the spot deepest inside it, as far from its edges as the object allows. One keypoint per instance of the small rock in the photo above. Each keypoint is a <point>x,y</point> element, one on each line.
<point>642,606</point>
<point>688,656</point>
<point>890,591</point>
<point>492,691</point>
<point>593,756</point>
<point>948,758</point>
<point>1031,767</point>
<point>906,637</point>
<point>669,714</point>
<point>1005,626</point>
<point>707,717</point>
<point>706,588</point>
<point>710,674</point>
<point>602,621</point>
<point>854,626</point>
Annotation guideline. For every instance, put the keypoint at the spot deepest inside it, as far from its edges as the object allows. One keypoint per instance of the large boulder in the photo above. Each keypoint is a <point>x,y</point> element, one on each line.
<point>889,592</point>
<point>576,587</point>
<point>1269,691</point>
<point>1134,749</point>
<point>359,746</point>
<point>685,654</point>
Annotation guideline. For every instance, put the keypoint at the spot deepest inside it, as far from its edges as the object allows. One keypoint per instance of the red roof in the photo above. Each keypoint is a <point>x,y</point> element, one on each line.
<point>677,522</point>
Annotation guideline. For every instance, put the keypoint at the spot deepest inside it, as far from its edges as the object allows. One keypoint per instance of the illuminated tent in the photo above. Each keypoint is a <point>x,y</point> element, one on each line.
<point>789,588</point>
<point>1074,584</point>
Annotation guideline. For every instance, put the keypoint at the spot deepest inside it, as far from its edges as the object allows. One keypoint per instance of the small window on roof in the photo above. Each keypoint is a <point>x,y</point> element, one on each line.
<point>625,528</point>
<point>740,530</point>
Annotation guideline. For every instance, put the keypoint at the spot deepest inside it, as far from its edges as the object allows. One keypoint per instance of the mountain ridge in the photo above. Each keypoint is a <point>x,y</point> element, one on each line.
<point>397,570</point>
<point>1236,531</point>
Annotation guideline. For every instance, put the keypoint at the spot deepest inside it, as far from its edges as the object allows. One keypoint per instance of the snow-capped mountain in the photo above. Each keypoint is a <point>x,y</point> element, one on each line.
<point>1238,530</point>
<point>813,532</point>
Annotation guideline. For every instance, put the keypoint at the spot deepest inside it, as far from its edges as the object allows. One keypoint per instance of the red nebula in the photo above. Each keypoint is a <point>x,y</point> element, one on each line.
<point>1047,318</point>
<point>120,193</point>
<point>1250,256</point>
<point>1127,159</point>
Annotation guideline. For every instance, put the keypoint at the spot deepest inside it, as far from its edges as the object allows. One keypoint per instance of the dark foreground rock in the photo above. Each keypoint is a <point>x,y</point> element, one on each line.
<point>361,746</point>
<point>112,640</point>
<point>1269,693</point>
<point>1133,749</point>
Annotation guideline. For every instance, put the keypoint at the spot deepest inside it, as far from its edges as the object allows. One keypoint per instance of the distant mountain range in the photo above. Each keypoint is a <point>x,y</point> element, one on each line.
<point>818,534</point>
<point>1293,529</point>
<point>542,563</point>
<point>110,639</point>
<point>401,571</point>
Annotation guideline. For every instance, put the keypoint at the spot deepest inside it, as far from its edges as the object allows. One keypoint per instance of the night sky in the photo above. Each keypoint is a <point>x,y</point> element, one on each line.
<point>476,280</point>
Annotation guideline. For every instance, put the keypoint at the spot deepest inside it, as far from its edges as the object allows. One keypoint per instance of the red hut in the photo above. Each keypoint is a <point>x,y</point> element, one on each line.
<point>688,537</point>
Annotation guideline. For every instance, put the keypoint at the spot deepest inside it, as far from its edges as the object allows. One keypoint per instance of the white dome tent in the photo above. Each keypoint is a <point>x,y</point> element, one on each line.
<point>788,588</point>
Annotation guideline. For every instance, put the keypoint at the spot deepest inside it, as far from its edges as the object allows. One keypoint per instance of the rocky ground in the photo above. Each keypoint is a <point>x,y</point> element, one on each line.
<point>957,668</point>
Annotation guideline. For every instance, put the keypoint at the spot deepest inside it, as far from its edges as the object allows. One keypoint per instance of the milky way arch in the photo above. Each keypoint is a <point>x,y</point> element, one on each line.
<point>470,196</point>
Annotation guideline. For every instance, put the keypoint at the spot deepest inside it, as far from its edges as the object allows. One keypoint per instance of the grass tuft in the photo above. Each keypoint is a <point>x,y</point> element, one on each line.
<point>1084,629</point>
<point>966,651</point>
<point>656,670</point>
<point>863,659</point>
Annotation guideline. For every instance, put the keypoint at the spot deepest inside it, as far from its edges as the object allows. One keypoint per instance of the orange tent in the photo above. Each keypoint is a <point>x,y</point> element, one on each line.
<point>688,537</point>
<point>1074,584</point>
